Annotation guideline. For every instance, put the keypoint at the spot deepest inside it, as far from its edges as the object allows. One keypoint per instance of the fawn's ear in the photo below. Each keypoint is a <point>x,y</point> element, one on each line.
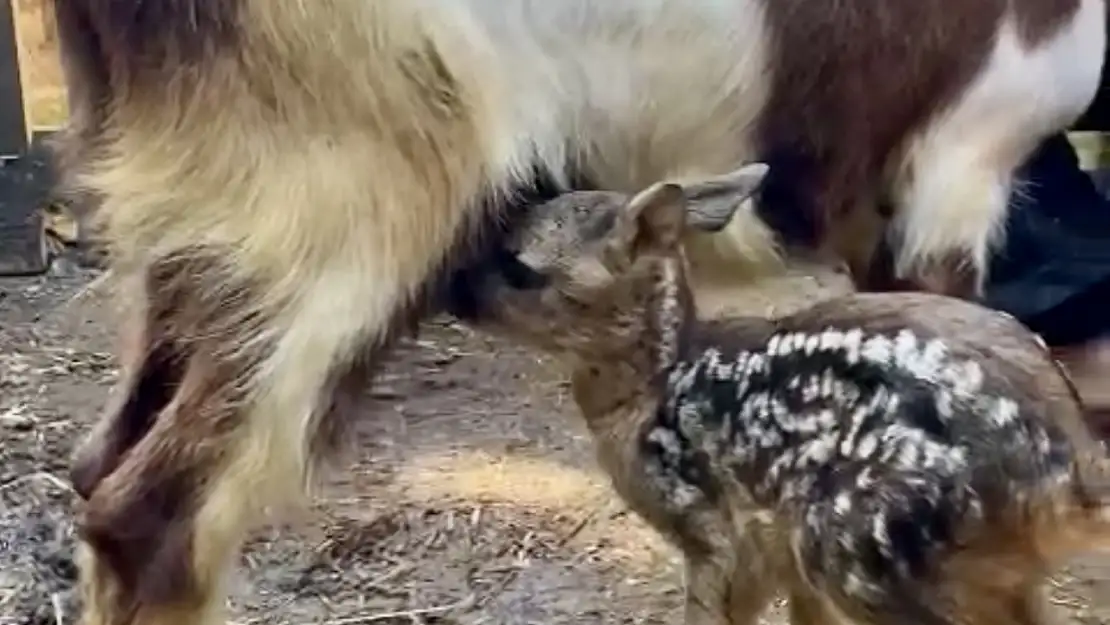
<point>712,202</point>
<point>654,218</point>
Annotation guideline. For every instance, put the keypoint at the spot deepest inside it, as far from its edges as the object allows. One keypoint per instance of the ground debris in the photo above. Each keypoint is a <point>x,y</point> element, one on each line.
<point>468,497</point>
<point>37,572</point>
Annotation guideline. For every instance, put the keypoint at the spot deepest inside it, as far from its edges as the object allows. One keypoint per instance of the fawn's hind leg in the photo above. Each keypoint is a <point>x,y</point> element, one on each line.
<point>749,592</point>
<point>999,589</point>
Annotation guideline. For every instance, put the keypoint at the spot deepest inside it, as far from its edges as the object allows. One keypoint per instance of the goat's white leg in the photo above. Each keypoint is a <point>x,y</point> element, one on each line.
<point>951,219</point>
<point>952,192</point>
<point>271,463</point>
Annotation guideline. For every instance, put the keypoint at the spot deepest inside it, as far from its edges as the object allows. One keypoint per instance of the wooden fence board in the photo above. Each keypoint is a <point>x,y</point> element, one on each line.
<point>15,127</point>
<point>25,178</point>
<point>25,186</point>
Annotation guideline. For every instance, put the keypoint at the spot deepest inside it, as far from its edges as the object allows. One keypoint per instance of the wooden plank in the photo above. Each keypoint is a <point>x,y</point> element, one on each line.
<point>25,187</point>
<point>25,177</point>
<point>15,125</point>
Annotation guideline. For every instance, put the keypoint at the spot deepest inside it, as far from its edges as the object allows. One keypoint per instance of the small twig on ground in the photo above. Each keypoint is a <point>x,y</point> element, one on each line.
<point>377,582</point>
<point>53,479</point>
<point>409,614</point>
<point>511,576</point>
<point>578,527</point>
<point>93,285</point>
<point>1067,602</point>
<point>59,609</point>
<point>11,596</point>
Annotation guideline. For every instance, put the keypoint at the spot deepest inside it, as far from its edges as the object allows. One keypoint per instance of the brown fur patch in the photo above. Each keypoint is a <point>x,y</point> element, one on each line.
<point>139,518</point>
<point>143,469</point>
<point>1038,20</point>
<point>156,34</point>
<point>850,84</point>
<point>152,383</point>
<point>109,47</point>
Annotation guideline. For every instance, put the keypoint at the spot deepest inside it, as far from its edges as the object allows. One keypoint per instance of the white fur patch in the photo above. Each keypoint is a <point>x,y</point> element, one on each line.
<point>960,167</point>
<point>669,313</point>
<point>574,73</point>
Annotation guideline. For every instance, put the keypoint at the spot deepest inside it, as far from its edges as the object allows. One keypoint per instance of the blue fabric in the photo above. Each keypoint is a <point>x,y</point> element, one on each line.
<point>1054,271</point>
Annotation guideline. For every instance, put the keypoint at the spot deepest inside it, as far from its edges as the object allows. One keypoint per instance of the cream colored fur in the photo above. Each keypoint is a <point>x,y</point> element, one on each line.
<point>336,227</point>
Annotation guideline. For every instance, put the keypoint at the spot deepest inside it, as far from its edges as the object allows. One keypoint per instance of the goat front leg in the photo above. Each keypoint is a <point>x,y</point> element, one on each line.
<point>167,508</point>
<point>147,556</point>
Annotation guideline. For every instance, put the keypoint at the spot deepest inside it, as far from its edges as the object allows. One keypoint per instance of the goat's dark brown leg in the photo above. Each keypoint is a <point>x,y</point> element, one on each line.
<point>219,420</point>
<point>87,88</point>
<point>149,377</point>
<point>149,557</point>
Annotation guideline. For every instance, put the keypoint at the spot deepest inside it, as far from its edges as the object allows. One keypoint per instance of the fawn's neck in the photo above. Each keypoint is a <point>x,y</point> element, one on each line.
<point>623,391</point>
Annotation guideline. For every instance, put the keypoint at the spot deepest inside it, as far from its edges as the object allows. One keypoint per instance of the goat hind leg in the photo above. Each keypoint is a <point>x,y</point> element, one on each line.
<point>138,523</point>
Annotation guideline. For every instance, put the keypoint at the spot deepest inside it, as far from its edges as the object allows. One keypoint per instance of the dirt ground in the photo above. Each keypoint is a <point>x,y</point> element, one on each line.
<point>470,495</point>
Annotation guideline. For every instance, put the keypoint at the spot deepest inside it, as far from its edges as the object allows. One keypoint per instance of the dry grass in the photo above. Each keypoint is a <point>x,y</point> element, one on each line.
<point>38,59</point>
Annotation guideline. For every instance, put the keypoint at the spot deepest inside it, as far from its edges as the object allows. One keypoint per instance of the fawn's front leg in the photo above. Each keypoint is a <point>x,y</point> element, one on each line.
<point>808,608</point>
<point>754,576</point>
<point>708,589</point>
<point>732,580</point>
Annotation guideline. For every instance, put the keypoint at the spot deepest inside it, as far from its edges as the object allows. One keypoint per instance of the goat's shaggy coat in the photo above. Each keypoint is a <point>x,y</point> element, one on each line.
<point>284,186</point>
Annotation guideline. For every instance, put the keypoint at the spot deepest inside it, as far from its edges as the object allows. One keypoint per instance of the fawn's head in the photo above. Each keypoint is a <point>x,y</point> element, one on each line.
<point>595,274</point>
